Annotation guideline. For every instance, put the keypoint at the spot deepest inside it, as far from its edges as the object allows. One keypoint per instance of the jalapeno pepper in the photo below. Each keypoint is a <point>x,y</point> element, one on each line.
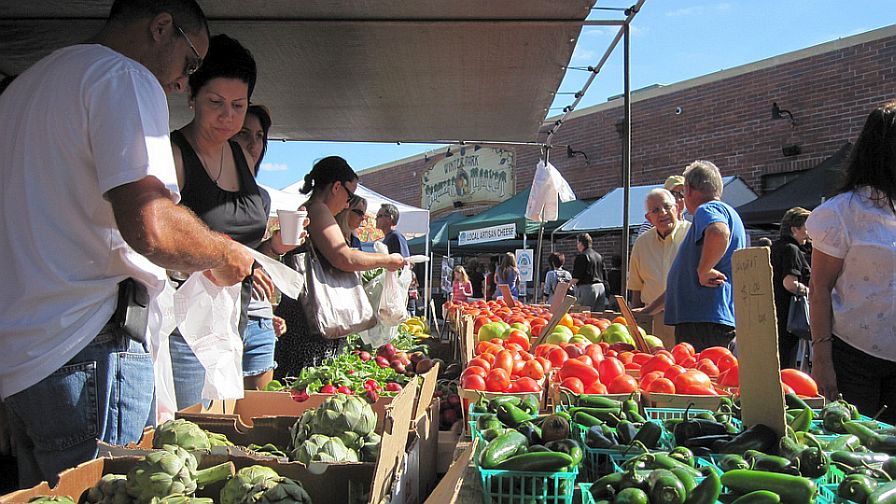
<point>570,447</point>
<point>803,420</point>
<point>884,494</point>
<point>856,487</point>
<point>707,492</point>
<point>792,489</point>
<point>512,415</point>
<point>649,434</point>
<point>758,497</point>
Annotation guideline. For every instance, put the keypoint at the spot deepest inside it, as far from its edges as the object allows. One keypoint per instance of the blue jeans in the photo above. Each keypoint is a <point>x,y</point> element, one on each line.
<point>189,374</point>
<point>259,340</point>
<point>105,391</point>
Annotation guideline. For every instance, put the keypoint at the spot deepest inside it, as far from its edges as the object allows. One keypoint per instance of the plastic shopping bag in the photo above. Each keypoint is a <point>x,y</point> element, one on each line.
<point>393,307</point>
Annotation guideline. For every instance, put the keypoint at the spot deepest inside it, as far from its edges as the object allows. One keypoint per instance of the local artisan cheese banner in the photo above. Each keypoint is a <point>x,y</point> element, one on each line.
<point>470,175</point>
<point>489,234</point>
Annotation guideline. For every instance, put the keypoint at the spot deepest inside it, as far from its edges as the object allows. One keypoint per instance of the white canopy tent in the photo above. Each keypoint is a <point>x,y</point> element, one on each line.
<point>605,214</point>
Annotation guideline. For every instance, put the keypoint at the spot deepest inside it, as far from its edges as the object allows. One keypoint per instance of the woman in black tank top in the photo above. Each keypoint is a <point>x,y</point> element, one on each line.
<point>215,178</point>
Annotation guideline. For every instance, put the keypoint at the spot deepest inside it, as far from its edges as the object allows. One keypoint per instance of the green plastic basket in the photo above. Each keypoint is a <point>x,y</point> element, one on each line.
<point>585,488</point>
<point>512,487</point>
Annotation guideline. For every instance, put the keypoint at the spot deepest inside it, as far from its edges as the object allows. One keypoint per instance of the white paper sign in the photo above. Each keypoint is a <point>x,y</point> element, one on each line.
<point>489,234</point>
<point>525,262</point>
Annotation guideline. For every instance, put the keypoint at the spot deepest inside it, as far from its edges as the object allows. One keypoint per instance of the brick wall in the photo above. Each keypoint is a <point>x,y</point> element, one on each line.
<point>725,118</point>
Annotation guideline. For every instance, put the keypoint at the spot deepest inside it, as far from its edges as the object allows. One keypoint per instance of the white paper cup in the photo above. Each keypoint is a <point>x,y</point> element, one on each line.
<point>292,222</point>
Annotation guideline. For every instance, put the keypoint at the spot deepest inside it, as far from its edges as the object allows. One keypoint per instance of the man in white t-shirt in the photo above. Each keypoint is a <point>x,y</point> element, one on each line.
<point>89,199</point>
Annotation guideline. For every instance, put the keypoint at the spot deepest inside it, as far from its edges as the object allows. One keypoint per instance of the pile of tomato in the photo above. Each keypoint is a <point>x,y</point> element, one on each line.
<point>505,366</point>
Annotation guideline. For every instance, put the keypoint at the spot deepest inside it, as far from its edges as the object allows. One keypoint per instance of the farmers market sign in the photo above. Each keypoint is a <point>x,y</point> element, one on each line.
<point>489,234</point>
<point>468,176</point>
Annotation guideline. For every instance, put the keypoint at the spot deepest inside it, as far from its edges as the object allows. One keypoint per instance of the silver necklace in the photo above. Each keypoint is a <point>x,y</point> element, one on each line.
<point>220,167</point>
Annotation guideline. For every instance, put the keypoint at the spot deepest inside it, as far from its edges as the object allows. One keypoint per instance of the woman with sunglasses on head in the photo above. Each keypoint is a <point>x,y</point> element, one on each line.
<point>216,182</point>
<point>350,220</point>
<point>331,184</point>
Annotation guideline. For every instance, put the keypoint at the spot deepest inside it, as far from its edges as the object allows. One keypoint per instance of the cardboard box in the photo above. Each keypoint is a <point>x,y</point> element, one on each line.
<point>448,489</point>
<point>447,444</point>
<point>682,401</point>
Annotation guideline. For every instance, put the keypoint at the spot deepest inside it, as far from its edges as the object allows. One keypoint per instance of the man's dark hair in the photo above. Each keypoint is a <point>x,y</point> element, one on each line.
<point>584,239</point>
<point>226,58</point>
<point>392,211</point>
<point>186,13</point>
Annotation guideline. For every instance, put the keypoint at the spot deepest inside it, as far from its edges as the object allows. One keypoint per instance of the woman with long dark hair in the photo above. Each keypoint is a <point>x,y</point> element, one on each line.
<point>790,269</point>
<point>851,309</point>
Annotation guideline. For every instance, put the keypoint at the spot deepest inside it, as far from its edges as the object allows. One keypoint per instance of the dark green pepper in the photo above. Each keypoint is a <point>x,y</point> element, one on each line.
<point>794,402</point>
<point>502,448</point>
<point>531,431</point>
<point>758,497</point>
<point>813,463</point>
<point>763,462</point>
<point>758,437</point>
<point>506,399</point>
<point>885,493</point>
<point>608,415</point>
<point>530,404</point>
<point>856,459</point>
<point>649,434</point>
<point>684,455</point>
<point>707,492</point>
<point>687,479</point>
<point>833,416</point>
<point>490,434</point>
<point>606,486</point>
<point>665,488</point>
<point>598,401</point>
<point>596,439</point>
<point>803,420</point>
<point>586,420</point>
<point>512,415</point>
<point>731,462</point>
<point>626,431</point>
<point>537,462</point>
<point>570,447</point>
<point>847,442</point>
<point>856,487</point>
<point>631,495</point>
<point>792,489</point>
<point>488,421</point>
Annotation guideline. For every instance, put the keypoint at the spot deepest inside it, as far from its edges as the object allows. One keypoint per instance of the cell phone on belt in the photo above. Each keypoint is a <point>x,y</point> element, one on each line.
<point>132,312</point>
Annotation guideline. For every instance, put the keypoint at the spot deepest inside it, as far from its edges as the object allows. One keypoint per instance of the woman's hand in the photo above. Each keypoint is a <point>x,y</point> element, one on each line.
<point>823,370</point>
<point>395,262</point>
<point>279,326</point>
<point>262,285</point>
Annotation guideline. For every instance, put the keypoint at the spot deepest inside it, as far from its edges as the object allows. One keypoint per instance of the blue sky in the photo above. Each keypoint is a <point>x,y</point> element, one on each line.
<point>672,40</point>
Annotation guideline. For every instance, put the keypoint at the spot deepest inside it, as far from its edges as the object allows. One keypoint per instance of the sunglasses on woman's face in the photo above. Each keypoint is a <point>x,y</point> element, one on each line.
<point>358,212</point>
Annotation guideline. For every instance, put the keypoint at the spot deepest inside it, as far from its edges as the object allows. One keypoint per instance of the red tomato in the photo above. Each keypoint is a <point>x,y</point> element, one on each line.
<point>725,362</point>
<point>663,351</point>
<point>595,353</point>
<point>513,388</point>
<point>473,382</point>
<point>692,381</point>
<point>490,358</point>
<point>673,371</point>
<point>609,369</point>
<point>603,344</point>
<point>475,370</point>
<point>533,369</point>
<point>578,369</point>
<point>661,386</point>
<point>646,379</point>
<point>520,338</point>
<point>801,383</point>
<point>481,363</point>
<point>485,346</point>
<point>730,377</point>
<point>573,384</point>
<point>545,364</point>
<point>682,351</point>
<point>708,367</point>
<point>623,384</point>
<point>518,366</point>
<point>596,388</point>
<point>641,358</point>
<point>611,353</point>
<point>659,362</point>
<point>557,356</point>
<point>633,366</point>
<point>586,360</point>
<point>689,362</point>
<point>498,380</point>
<point>714,353</point>
<point>542,350</point>
<point>527,384</point>
<point>626,357</point>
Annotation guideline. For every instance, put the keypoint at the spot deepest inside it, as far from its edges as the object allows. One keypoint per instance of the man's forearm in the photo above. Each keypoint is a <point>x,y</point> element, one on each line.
<point>185,243</point>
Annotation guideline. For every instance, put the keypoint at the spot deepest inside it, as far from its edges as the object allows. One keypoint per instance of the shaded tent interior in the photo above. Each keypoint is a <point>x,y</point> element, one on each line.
<point>808,190</point>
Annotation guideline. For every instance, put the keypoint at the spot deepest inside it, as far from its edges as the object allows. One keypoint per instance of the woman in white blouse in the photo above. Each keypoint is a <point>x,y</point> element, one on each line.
<point>852,294</point>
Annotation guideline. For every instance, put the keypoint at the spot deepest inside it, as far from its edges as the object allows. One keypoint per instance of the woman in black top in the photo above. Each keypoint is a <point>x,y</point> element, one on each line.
<point>790,270</point>
<point>588,275</point>
<point>216,180</point>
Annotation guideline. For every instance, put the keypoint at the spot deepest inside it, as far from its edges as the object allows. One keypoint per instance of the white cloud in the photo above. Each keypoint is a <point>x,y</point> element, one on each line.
<point>275,167</point>
<point>698,10</point>
<point>584,55</point>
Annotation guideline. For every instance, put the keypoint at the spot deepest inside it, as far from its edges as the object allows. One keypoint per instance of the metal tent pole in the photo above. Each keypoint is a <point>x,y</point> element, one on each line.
<point>428,269</point>
<point>537,283</point>
<point>626,154</point>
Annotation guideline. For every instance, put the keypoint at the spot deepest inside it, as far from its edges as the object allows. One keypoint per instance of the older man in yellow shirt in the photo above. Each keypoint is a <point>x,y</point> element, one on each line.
<point>652,256</point>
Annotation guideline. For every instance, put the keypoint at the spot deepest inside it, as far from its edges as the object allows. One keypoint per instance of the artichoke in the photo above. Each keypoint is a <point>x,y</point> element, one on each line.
<point>183,433</point>
<point>54,499</point>
<point>171,471</point>
<point>110,489</point>
<point>267,449</point>
<point>344,413</point>
<point>371,449</point>
<point>300,430</point>
<point>320,448</point>
<point>181,499</point>
<point>259,484</point>
<point>217,439</point>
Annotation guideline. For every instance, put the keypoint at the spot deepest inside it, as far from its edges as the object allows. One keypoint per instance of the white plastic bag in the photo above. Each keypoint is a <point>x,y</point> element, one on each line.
<point>393,307</point>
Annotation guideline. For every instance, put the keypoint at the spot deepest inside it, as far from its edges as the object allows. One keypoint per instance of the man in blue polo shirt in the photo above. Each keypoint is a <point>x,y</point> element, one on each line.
<point>699,295</point>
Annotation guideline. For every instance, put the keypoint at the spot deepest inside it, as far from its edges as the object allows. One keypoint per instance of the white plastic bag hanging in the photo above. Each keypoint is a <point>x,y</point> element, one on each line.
<point>393,307</point>
<point>207,317</point>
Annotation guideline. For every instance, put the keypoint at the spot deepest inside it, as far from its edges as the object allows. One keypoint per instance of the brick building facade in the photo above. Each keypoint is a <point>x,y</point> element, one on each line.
<point>725,117</point>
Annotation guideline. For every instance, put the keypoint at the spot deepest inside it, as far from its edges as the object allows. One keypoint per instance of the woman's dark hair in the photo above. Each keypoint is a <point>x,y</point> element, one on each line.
<point>793,218</point>
<point>226,58</point>
<point>328,170</point>
<point>264,118</point>
<point>556,259</point>
<point>873,159</point>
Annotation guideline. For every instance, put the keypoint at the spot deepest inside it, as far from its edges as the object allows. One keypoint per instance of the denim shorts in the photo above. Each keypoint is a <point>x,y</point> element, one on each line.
<point>104,392</point>
<point>259,340</point>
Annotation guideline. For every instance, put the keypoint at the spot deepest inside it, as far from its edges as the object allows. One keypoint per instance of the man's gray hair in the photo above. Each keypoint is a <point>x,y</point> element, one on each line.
<point>661,193</point>
<point>392,210</point>
<point>704,177</point>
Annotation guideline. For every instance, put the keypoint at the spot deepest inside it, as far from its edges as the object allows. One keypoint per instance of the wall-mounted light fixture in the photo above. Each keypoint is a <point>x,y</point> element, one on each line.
<point>458,204</point>
<point>779,113</point>
<point>570,153</point>
<point>791,150</point>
